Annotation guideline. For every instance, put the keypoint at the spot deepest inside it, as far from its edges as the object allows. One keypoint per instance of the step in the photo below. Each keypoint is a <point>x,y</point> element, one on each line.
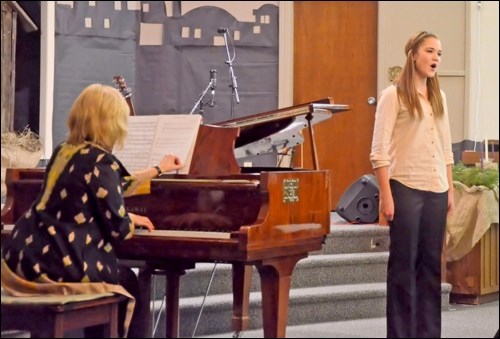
<point>348,238</point>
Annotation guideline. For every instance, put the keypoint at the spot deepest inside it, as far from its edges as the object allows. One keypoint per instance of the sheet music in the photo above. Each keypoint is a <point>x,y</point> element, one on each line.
<point>150,137</point>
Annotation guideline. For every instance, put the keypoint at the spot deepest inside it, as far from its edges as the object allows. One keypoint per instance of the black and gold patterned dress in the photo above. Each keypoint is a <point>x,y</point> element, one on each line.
<point>68,232</point>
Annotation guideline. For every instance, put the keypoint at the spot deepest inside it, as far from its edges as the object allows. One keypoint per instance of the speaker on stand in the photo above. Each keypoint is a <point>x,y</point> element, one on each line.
<point>360,202</point>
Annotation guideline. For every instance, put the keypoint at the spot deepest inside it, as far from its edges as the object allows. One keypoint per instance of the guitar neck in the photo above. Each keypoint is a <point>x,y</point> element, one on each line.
<point>130,105</point>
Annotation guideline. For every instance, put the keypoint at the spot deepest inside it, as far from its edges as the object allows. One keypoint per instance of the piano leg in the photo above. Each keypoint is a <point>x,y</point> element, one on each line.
<point>172,290</point>
<point>143,303</point>
<point>242,281</point>
<point>173,271</point>
<point>275,278</point>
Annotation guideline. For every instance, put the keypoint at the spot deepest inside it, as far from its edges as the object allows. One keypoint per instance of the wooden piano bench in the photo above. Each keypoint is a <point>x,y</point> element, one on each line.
<point>51,317</point>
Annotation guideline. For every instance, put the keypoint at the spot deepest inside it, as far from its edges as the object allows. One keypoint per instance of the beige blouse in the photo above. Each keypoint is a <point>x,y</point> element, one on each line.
<point>417,151</point>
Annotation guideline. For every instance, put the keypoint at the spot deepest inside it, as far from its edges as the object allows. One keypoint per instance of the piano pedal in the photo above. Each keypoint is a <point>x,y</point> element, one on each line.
<point>238,334</point>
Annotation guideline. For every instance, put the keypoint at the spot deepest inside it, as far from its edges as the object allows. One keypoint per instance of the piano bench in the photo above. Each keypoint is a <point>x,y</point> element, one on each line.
<point>52,316</point>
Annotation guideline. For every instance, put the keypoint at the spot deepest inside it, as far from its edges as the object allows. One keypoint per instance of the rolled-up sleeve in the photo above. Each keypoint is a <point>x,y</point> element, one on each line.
<point>385,119</point>
<point>446,134</point>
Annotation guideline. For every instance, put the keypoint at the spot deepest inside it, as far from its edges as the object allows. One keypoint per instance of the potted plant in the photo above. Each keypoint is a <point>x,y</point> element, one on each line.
<point>476,176</point>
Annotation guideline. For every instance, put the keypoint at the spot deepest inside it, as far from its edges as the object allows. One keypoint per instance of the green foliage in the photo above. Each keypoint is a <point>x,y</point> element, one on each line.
<point>475,176</point>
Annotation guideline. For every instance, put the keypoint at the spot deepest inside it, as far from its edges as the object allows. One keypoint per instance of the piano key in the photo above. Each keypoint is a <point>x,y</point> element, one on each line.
<point>183,234</point>
<point>7,227</point>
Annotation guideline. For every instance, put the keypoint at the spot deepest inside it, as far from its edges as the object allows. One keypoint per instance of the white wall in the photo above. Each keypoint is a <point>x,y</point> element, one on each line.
<point>482,107</point>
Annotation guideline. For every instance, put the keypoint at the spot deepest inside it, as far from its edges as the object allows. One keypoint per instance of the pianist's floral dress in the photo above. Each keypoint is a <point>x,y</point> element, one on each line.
<point>68,232</point>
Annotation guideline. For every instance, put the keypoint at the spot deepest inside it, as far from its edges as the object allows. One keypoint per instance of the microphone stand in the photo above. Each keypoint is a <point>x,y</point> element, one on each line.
<point>234,85</point>
<point>199,102</point>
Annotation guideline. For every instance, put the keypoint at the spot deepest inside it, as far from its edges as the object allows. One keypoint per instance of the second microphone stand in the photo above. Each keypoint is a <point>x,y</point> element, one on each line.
<point>199,103</point>
<point>234,84</point>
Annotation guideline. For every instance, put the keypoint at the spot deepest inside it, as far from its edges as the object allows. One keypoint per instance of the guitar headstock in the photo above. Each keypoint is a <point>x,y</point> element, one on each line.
<point>121,85</point>
<point>125,91</point>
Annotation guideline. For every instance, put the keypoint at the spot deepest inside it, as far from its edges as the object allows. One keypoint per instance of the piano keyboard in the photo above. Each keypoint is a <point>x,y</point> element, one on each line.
<point>165,233</point>
<point>183,234</point>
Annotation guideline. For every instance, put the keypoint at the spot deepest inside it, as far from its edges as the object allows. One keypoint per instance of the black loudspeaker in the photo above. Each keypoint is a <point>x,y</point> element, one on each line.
<point>359,203</point>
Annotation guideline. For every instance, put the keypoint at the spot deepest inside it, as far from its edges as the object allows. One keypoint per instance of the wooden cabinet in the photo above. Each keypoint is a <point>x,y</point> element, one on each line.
<point>474,277</point>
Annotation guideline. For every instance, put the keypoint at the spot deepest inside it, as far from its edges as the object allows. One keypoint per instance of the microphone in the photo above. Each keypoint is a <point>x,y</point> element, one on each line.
<point>213,82</point>
<point>213,78</point>
<point>222,30</point>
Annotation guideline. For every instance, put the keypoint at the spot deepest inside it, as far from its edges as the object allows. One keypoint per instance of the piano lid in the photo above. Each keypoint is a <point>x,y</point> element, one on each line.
<point>268,131</point>
<point>234,139</point>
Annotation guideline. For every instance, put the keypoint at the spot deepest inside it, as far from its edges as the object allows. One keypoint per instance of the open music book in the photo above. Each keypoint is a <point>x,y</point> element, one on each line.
<point>150,137</point>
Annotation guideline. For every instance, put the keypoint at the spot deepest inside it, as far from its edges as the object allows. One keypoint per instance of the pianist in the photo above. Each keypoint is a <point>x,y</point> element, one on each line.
<point>64,242</point>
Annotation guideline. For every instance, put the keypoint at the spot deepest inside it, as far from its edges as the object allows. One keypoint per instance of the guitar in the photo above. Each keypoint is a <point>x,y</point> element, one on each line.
<point>125,91</point>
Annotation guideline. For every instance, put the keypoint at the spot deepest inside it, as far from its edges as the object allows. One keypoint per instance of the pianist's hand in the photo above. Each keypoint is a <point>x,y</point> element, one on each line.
<point>142,221</point>
<point>170,162</point>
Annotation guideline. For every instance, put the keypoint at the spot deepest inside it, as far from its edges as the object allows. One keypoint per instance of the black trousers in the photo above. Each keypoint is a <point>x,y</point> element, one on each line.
<point>414,268</point>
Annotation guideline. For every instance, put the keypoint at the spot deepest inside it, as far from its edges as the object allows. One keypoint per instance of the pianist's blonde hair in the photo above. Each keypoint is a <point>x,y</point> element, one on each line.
<point>99,115</point>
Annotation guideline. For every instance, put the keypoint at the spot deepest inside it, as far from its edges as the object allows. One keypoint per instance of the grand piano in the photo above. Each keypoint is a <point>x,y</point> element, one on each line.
<point>219,212</point>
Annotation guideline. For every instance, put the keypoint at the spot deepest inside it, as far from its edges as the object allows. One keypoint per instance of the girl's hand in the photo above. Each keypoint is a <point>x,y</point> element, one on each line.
<point>387,207</point>
<point>451,201</point>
